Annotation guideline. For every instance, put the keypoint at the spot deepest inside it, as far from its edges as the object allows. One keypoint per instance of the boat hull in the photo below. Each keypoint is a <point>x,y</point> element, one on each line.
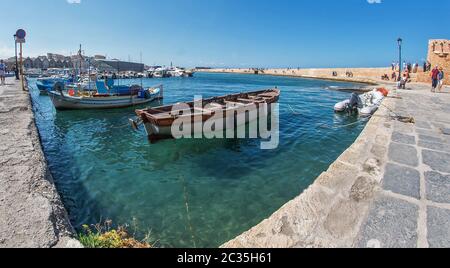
<point>46,85</point>
<point>226,123</point>
<point>214,120</point>
<point>367,103</point>
<point>44,88</point>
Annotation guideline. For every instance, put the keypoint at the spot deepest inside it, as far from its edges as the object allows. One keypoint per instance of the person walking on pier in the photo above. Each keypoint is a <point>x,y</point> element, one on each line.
<point>440,79</point>
<point>394,76</point>
<point>2,72</point>
<point>434,79</point>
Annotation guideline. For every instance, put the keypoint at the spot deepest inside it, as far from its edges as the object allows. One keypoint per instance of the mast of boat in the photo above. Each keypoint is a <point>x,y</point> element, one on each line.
<point>80,55</point>
<point>142,71</point>
<point>89,74</point>
<point>118,72</point>
<point>81,58</point>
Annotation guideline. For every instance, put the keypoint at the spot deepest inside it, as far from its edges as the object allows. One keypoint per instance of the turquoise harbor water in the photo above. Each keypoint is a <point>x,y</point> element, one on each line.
<point>192,193</point>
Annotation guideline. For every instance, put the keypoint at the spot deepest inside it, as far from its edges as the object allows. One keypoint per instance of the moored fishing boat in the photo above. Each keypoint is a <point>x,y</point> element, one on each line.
<point>116,97</point>
<point>175,72</point>
<point>158,121</point>
<point>188,73</point>
<point>45,85</point>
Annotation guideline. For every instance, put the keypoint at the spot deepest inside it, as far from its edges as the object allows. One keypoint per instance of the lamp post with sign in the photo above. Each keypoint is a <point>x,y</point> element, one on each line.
<point>400,42</point>
<point>16,68</point>
<point>20,39</point>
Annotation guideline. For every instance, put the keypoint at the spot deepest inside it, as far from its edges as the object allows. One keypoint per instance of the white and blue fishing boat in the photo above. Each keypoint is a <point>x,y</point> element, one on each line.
<point>106,96</point>
<point>83,84</point>
<point>45,85</point>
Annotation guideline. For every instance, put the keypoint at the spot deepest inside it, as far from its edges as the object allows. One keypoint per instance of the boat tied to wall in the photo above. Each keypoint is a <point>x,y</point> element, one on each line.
<point>45,85</point>
<point>106,96</point>
<point>365,104</point>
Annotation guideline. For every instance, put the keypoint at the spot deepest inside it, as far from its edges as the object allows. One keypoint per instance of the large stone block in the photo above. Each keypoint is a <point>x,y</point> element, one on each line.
<point>438,187</point>
<point>392,223</point>
<point>403,154</point>
<point>438,161</point>
<point>403,138</point>
<point>438,227</point>
<point>402,180</point>
<point>435,146</point>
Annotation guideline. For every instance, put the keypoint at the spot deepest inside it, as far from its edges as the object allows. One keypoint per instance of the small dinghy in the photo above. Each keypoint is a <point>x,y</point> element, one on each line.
<point>365,104</point>
<point>114,97</point>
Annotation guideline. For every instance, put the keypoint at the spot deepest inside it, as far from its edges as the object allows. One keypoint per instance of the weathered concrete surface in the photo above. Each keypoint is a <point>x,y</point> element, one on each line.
<point>31,212</point>
<point>389,189</point>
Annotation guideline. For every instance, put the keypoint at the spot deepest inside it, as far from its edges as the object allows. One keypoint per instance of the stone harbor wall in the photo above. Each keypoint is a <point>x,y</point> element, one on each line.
<point>390,189</point>
<point>31,211</point>
<point>363,75</point>
<point>331,211</point>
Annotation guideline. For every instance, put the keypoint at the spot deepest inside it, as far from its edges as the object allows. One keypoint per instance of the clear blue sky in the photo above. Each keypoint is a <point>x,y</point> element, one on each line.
<point>259,33</point>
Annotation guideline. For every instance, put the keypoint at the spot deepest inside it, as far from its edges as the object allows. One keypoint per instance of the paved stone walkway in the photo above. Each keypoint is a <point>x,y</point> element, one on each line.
<point>31,212</point>
<point>389,189</point>
<point>413,207</point>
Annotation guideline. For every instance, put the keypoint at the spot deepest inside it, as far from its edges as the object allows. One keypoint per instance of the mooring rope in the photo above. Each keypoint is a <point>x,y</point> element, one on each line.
<point>354,123</point>
<point>293,111</point>
<point>120,127</point>
<point>408,119</point>
<point>188,214</point>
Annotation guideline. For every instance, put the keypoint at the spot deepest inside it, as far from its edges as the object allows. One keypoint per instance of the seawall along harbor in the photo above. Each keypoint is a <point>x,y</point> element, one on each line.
<point>359,75</point>
<point>390,189</point>
<point>364,198</point>
<point>31,211</point>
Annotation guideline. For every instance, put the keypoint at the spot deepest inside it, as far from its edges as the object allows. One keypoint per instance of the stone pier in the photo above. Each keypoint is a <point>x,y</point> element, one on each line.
<point>390,189</point>
<point>413,207</point>
<point>31,211</point>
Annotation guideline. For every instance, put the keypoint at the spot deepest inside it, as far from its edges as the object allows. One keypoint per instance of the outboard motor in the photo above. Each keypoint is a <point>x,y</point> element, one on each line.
<point>58,87</point>
<point>355,102</point>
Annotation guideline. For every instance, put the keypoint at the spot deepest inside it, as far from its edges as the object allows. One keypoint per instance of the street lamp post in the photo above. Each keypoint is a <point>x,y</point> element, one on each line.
<point>17,63</point>
<point>400,41</point>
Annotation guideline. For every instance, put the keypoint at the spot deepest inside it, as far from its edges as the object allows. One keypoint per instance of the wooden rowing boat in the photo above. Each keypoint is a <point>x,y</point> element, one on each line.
<point>158,121</point>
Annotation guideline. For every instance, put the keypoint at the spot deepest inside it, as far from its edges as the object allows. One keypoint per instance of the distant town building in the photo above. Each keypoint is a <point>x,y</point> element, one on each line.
<point>28,63</point>
<point>123,66</point>
<point>55,57</point>
<point>52,63</point>
<point>79,63</point>
<point>45,62</point>
<point>99,62</point>
<point>67,63</point>
<point>100,57</point>
<point>37,63</point>
<point>10,63</point>
<point>103,67</point>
